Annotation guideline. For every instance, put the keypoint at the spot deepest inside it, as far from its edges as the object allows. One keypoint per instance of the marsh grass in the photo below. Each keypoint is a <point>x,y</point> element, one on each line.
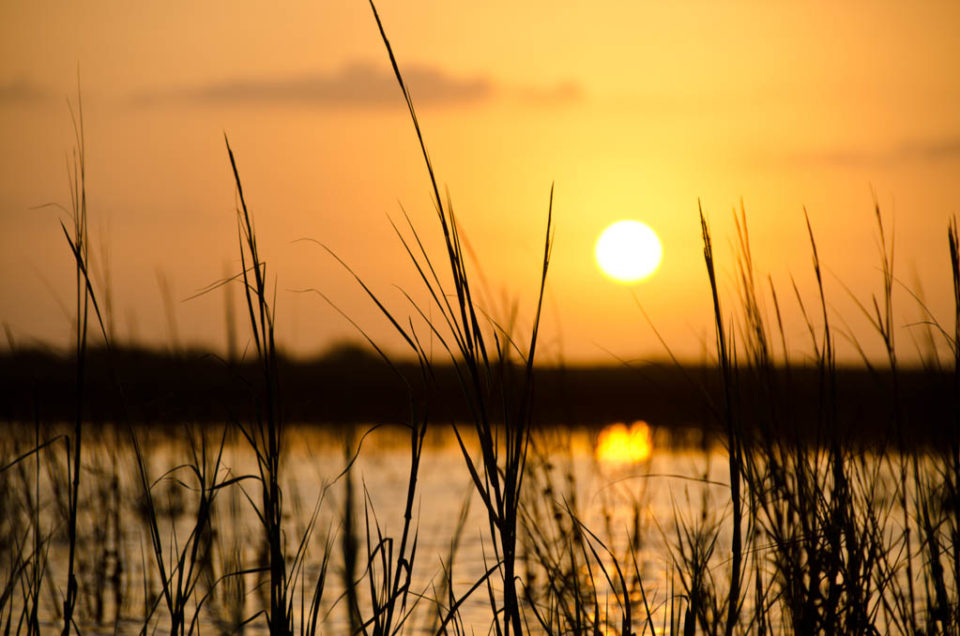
<point>79,246</point>
<point>266,435</point>
<point>815,531</point>
<point>496,375</point>
<point>826,554</point>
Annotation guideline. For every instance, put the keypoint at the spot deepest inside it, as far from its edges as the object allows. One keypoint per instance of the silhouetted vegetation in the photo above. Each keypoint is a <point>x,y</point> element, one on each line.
<point>840,512</point>
<point>356,385</point>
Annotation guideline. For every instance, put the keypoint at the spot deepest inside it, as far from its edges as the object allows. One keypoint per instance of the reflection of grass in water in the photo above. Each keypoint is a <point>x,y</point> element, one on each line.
<point>814,534</point>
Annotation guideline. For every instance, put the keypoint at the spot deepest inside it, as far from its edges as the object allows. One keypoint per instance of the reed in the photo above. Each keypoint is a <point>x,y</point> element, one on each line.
<point>86,307</point>
<point>497,392</point>
<point>78,245</point>
<point>825,554</point>
<point>266,437</point>
<point>816,532</point>
<point>180,568</point>
<point>734,438</point>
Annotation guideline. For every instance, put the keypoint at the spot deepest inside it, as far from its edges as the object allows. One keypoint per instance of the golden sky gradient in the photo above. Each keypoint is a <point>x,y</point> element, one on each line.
<point>634,110</point>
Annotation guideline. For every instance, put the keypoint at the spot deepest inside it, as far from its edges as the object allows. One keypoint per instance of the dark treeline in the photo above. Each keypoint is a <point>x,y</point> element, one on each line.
<point>351,385</point>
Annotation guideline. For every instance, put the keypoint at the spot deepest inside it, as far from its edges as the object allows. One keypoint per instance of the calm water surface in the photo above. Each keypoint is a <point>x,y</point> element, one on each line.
<point>628,485</point>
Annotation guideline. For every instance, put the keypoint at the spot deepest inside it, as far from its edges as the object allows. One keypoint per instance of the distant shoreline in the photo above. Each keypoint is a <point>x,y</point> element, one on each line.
<point>351,386</point>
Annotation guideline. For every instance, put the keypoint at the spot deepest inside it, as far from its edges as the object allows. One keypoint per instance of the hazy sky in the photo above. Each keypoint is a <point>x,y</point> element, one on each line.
<point>634,109</point>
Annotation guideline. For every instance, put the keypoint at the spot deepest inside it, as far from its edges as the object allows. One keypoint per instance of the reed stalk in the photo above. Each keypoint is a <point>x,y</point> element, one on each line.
<point>734,435</point>
<point>497,393</point>
<point>266,439</point>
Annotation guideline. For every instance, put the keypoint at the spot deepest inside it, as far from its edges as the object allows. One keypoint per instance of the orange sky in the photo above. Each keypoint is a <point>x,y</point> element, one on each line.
<point>634,109</point>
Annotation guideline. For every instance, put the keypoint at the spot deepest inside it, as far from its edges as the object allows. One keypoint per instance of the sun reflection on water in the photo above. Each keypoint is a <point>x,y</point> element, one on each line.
<point>620,444</point>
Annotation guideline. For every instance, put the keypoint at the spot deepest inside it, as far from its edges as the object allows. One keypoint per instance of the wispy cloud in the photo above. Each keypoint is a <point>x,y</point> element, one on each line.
<point>358,84</point>
<point>22,91</point>
<point>918,150</point>
<point>948,148</point>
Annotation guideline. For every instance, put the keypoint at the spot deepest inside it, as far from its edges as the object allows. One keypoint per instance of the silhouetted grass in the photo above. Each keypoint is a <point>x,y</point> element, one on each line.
<point>498,394</point>
<point>816,531</point>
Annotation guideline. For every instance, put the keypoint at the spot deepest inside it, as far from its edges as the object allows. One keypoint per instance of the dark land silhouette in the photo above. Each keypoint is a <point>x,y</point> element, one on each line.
<point>352,385</point>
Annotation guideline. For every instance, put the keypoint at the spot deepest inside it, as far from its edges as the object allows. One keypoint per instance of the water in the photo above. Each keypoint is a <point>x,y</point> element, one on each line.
<point>636,494</point>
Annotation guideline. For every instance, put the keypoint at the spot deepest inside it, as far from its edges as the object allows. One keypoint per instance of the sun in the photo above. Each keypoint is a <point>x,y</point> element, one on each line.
<point>628,251</point>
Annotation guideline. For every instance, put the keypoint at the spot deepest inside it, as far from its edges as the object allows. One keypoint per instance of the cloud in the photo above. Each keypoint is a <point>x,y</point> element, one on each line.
<point>22,91</point>
<point>913,151</point>
<point>363,85</point>
<point>942,149</point>
<point>353,85</point>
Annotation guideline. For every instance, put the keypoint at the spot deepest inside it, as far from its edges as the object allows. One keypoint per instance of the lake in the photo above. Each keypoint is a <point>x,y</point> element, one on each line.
<point>656,505</point>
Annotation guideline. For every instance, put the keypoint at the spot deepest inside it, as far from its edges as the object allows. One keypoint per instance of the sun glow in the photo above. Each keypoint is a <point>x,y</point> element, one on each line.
<point>628,251</point>
<point>618,444</point>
